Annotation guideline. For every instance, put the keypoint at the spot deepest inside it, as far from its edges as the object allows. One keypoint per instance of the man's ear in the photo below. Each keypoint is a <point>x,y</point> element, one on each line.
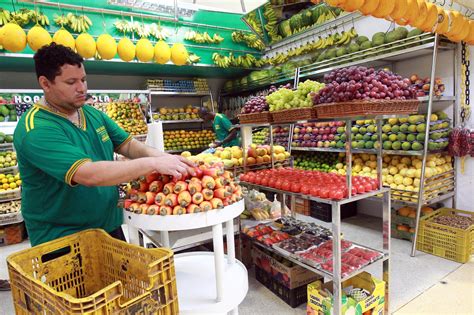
<point>44,83</point>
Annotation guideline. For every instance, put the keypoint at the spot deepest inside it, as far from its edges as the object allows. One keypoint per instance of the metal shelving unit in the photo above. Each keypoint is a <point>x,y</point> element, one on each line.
<point>246,131</point>
<point>187,121</point>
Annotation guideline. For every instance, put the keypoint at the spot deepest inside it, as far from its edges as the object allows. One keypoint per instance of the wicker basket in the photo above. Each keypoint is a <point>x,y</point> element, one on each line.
<point>295,114</point>
<point>362,108</point>
<point>256,118</point>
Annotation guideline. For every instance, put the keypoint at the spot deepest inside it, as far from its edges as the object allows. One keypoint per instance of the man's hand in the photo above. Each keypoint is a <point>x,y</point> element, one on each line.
<point>174,165</point>
<point>215,144</point>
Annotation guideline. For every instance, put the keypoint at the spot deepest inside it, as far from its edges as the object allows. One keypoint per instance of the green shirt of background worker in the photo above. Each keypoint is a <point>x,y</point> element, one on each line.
<point>66,155</point>
<point>226,134</point>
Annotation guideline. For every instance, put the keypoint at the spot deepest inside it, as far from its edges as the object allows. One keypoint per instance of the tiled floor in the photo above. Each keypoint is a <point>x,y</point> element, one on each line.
<point>411,277</point>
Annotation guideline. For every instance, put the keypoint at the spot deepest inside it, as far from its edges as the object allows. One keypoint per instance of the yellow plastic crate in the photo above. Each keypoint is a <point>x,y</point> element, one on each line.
<point>445,241</point>
<point>97,274</point>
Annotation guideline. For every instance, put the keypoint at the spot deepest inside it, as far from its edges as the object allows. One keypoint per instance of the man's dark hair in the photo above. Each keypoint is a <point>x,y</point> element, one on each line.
<point>50,58</point>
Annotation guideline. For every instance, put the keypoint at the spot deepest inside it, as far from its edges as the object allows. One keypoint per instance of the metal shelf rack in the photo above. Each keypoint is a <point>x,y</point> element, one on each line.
<point>246,132</point>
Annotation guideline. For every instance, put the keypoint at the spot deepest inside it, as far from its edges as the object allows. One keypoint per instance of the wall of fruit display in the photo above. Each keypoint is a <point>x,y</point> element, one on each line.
<point>179,140</point>
<point>127,114</point>
<point>256,155</point>
<point>197,85</point>
<point>155,194</point>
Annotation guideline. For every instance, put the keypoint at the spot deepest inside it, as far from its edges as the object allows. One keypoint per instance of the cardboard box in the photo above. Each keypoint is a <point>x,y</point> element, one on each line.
<point>318,301</point>
<point>302,206</point>
<point>291,277</point>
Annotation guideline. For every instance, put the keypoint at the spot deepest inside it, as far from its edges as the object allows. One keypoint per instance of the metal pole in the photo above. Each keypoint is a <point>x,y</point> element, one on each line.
<point>176,10</point>
<point>457,84</point>
<point>379,152</point>
<point>272,159</point>
<point>421,196</point>
<point>242,4</point>
<point>336,245</point>
<point>386,247</point>
<point>349,157</point>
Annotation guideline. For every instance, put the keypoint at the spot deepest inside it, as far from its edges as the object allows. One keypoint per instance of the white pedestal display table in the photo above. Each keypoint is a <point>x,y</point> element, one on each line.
<point>208,283</point>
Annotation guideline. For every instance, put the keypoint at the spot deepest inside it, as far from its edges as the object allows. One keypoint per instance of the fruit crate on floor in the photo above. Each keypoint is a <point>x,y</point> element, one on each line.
<point>400,234</point>
<point>92,273</point>
<point>8,195</point>
<point>445,241</point>
<point>292,297</point>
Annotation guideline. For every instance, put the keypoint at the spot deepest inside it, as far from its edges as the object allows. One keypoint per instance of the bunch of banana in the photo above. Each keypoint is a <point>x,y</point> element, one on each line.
<point>41,18</point>
<point>254,22</point>
<point>123,26</point>
<point>77,23</point>
<point>272,22</point>
<point>5,16</point>
<point>142,30</point>
<point>221,61</point>
<point>23,16</point>
<point>260,214</point>
<point>203,38</point>
<point>245,214</point>
<point>245,61</point>
<point>250,39</point>
<point>346,37</point>
<point>193,58</point>
<point>159,32</point>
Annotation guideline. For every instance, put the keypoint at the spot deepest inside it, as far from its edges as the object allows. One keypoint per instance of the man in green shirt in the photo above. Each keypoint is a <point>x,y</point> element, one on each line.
<point>226,135</point>
<point>66,155</point>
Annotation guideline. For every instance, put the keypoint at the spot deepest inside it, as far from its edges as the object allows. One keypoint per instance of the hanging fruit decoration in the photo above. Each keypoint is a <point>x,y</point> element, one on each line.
<point>126,49</point>
<point>421,14</point>
<point>144,50</point>
<point>106,46</point>
<point>63,37</point>
<point>85,45</point>
<point>179,54</point>
<point>38,37</point>
<point>162,52</point>
<point>13,38</point>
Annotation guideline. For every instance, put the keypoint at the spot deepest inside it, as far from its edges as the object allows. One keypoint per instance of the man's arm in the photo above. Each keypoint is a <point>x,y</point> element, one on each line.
<point>135,149</point>
<point>230,137</point>
<point>110,173</point>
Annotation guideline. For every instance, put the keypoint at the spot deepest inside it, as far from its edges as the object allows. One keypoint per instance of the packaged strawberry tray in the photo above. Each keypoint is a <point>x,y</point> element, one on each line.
<point>298,243</point>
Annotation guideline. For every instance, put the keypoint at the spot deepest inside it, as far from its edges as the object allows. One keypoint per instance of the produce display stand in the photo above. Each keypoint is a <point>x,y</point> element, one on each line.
<point>336,276</point>
<point>207,282</point>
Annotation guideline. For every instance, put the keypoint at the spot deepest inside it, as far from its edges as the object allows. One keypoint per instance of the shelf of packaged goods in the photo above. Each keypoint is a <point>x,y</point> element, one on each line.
<point>327,201</point>
<point>176,93</point>
<point>377,56</point>
<point>165,122</point>
<point>384,257</point>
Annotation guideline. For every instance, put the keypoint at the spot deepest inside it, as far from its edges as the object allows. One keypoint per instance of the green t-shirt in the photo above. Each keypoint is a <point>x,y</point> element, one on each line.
<point>50,149</point>
<point>222,127</point>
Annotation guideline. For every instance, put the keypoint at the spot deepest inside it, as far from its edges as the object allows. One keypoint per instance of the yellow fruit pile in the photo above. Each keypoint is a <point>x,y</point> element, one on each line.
<point>7,159</point>
<point>188,139</point>
<point>127,115</point>
<point>9,182</point>
<point>185,113</point>
<point>421,14</point>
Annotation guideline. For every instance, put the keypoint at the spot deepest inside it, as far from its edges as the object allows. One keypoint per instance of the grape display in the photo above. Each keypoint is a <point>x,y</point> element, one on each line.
<point>285,98</point>
<point>21,108</point>
<point>361,83</point>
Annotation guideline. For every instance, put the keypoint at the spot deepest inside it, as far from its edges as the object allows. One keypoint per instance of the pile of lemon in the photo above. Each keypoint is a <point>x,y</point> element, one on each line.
<point>9,182</point>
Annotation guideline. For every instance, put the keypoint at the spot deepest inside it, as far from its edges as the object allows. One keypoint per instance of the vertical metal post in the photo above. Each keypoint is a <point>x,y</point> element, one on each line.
<point>457,84</point>
<point>176,10</point>
<point>242,4</point>
<point>379,152</point>
<point>421,196</point>
<point>336,245</point>
<point>386,247</point>
<point>293,206</point>
<point>218,243</point>
<point>165,239</point>
<point>271,146</point>
<point>290,138</point>
<point>349,157</point>
<point>246,135</point>
<point>283,204</point>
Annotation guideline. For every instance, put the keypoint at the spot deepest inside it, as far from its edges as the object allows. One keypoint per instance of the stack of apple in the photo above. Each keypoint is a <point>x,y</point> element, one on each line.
<point>156,194</point>
<point>320,135</point>
<point>313,183</point>
<point>281,135</point>
<point>422,86</point>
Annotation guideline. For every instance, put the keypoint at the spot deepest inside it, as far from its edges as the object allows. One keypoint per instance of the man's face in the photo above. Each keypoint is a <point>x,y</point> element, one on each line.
<point>68,89</point>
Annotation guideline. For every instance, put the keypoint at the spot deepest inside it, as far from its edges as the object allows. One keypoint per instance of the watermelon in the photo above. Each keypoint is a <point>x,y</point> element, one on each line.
<point>284,28</point>
<point>315,13</point>
<point>306,18</point>
<point>296,22</point>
